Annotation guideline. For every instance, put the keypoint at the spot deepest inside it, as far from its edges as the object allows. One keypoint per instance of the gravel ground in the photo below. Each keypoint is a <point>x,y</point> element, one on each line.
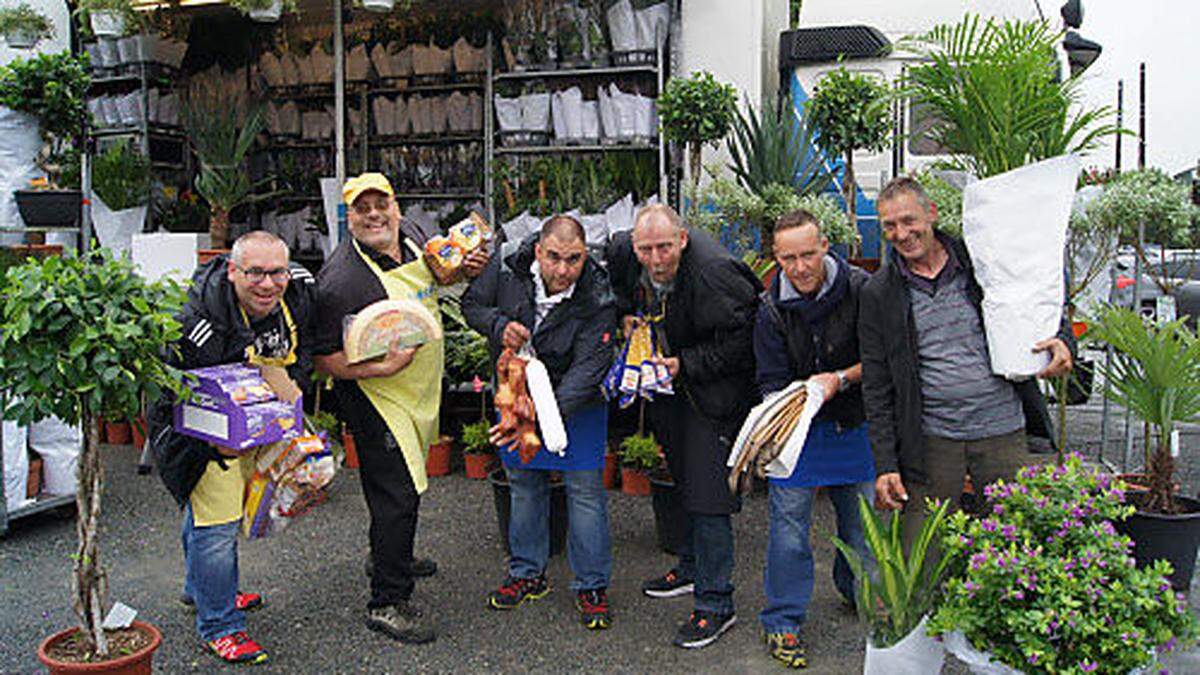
<point>312,577</point>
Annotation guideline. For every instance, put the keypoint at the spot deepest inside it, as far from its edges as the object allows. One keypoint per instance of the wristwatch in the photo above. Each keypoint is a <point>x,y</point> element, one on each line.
<point>843,381</point>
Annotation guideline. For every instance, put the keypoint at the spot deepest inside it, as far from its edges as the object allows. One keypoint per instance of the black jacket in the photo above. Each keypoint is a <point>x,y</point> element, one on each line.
<point>891,374</point>
<point>574,341</point>
<point>787,349</point>
<point>214,333</point>
<point>709,322</point>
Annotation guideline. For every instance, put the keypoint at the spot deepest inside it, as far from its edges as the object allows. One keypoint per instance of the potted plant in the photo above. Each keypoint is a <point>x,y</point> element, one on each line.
<point>84,336</point>
<point>612,468</point>
<point>895,599</point>
<point>437,461</point>
<point>51,88</point>
<point>265,11</point>
<point>222,137</point>
<point>1152,373</point>
<point>107,18</point>
<point>640,454</point>
<point>1045,584</point>
<point>121,181</point>
<point>23,26</point>
<point>775,149</point>
<point>694,111</point>
<point>477,449</point>
<point>852,112</point>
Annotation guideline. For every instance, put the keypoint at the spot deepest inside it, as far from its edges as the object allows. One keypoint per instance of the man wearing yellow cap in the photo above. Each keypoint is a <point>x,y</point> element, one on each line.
<point>390,404</point>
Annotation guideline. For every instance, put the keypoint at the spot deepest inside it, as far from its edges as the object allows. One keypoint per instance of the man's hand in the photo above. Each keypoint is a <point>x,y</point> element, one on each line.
<point>476,261</point>
<point>501,439</point>
<point>890,494</point>
<point>629,322</point>
<point>1060,357</point>
<point>671,363</point>
<point>396,360</point>
<point>829,382</point>
<point>515,335</point>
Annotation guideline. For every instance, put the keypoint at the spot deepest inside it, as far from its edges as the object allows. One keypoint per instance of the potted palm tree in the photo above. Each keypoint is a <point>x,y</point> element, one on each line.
<point>84,337</point>
<point>1153,373</point>
<point>23,26</point>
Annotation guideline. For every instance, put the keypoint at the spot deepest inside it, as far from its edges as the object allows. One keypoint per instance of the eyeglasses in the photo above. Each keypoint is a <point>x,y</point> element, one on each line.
<point>279,275</point>
<point>363,207</point>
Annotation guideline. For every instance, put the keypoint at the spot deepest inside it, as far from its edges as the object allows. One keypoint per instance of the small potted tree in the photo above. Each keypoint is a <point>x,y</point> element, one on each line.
<point>852,113</point>
<point>107,18</point>
<point>23,26</point>
<point>84,337</point>
<point>694,111</point>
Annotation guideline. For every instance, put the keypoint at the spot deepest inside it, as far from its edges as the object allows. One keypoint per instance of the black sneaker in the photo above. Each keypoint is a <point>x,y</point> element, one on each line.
<point>402,622</point>
<point>703,629</point>
<point>593,609</point>
<point>420,568</point>
<point>788,648</point>
<point>514,591</point>
<point>668,585</point>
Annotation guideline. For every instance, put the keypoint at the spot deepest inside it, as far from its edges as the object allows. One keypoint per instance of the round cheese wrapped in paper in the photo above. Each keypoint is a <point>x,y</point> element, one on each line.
<point>406,323</point>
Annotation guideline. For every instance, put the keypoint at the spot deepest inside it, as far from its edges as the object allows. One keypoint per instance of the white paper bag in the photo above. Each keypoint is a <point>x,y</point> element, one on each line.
<point>622,27</point>
<point>785,463</point>
<point>1015,227</point>
<point>59,445</point>
<point>915,654</point>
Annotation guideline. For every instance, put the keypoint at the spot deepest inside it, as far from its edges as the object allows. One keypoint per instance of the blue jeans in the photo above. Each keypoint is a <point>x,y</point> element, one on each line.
<point>706,557</point>
<point>211,563</point>
<point>589,550</point>
<point>788,578</point>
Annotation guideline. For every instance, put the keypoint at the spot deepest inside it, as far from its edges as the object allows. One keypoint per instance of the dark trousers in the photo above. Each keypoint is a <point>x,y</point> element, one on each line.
<point>392,501</point>
<point>706,556</point>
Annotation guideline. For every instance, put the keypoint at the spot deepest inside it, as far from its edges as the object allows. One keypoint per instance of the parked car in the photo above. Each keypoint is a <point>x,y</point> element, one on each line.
<point>1176,270</point>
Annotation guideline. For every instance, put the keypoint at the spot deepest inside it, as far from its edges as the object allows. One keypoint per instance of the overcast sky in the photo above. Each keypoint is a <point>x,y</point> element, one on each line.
<point>1164,34</point>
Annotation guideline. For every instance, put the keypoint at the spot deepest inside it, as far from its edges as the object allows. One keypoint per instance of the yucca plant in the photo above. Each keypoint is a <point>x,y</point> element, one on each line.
<point>775,148</point>
<point>1155,373</point>
<point>894,597</point>
<point>996,89</point>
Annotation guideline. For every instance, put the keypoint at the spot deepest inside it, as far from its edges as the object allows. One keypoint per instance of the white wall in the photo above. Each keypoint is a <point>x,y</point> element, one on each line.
<point>56,11</point>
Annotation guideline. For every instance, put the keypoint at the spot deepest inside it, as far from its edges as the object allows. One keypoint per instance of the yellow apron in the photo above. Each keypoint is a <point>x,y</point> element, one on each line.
<point>409,401</point>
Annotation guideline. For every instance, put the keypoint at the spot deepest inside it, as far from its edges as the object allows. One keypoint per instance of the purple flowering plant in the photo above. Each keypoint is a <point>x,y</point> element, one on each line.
<point>1043,581</point>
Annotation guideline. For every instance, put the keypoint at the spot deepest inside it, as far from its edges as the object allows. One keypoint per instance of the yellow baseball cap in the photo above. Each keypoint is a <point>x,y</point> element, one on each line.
<point>364,182</point>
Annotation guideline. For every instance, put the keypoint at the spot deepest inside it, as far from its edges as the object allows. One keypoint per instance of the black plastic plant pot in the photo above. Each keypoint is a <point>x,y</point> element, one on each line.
<point>558,511</point>
<point>49,208</point>
<point>668,513</point>
<point>1173,538</point>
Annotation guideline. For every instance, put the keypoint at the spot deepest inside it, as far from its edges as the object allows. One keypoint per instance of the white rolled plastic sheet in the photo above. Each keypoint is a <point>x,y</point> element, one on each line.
<point>549,420</point>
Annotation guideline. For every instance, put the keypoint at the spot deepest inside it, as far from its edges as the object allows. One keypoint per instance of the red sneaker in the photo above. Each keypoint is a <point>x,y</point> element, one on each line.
<point>238,648</point>
<point>593,609</point>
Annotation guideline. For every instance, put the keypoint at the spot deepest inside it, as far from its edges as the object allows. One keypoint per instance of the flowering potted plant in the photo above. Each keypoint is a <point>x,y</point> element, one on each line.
<point>1046,582</point>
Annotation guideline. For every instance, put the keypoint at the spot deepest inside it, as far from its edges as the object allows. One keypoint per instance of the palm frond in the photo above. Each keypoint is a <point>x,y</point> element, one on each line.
<point>775,147</point>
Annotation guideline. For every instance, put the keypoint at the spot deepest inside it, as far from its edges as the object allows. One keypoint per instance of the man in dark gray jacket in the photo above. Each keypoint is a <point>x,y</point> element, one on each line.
<point>935,411</point>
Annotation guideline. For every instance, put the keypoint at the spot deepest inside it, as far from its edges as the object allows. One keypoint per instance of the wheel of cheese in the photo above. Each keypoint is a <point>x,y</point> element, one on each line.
<point>387,322</point>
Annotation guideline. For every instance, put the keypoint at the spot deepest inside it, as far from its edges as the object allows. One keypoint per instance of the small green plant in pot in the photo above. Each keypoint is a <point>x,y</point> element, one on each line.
<point>83,337</point>
<point>694,111</point>
<point>53,89</point>
<point>23,26</point>
<point>265,10</point>
<point>641,452</point>
<point>108,18</point>
<point>121,176</point>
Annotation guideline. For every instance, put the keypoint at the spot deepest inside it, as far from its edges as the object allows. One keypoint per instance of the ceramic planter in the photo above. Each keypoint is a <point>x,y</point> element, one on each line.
<point>107,24</point>
<point>437,463</point>
<point>635,482</point>
<point>21,39</point>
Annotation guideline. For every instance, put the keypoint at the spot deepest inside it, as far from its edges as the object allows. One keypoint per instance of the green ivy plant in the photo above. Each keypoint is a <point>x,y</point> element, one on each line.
<point>694,111</point>
<point>121,176</point>
<point>53,88</point>
<point>851,112</point>
<point>25,19</point>
<point>83,338</point>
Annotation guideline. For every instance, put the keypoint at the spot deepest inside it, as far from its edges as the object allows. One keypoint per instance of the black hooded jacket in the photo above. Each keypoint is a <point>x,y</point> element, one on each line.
<point>574,341</point>
<point>215,333</point>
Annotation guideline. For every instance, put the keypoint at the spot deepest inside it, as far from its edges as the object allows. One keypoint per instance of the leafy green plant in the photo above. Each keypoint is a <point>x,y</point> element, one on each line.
<point>476,439</point>
<point>121,176</point>
<point>851,112</point>
<point>775,148</point>
<point>52,88</point>
<point>1045,583</point>
<point>946,198</point>
<point>84,337</point>
<point>1155,373</point>
<point>25,19</point>
<point>694,111</point>
<point>467,355</point>
<point>1091,245</point>
<point>180,211</point>
<point>640,451</point>
<point>894,598</point>
<point>996,89</point>
<point>86,8</point>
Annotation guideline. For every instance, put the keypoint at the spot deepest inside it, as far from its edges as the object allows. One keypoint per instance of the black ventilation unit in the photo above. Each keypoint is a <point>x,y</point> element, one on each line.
<point>823,45</point>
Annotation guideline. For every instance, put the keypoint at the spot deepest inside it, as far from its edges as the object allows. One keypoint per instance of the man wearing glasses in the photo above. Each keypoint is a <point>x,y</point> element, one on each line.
<point>390,404</point>
<point>251,306</point>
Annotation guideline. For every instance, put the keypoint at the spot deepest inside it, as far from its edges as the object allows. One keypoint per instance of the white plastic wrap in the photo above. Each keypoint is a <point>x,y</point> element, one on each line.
<point>59,445</point>
<point>620,216</point>
<point>381,59</point>
<point>403,117</point>
<point>535,112</point>
<point>115,229</point>
<point>521,227</point>
<point>554,435</point>
<point>651,22</point>
<point>17,153</point>
<point>384,111</point>
<point>438,114</point>
<point>590,120</point>
<point>458,112</point>
<point>16,465</point>
<point>1015,227</point>
<point>916,654</point>
<point>979,662</point>
<point>468,59</point>
<point>571,100</point>
<point>508,113</point>
<point>357,64</point>
<point>595,229</point>
<point>622,27</point>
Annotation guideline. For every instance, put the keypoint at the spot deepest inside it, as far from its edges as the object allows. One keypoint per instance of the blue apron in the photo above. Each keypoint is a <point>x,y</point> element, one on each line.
<point>832,457</point>
<point>587,434</point>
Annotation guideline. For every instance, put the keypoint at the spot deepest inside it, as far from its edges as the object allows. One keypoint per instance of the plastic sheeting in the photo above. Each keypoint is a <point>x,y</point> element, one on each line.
<point>16,465</point>
<point>916,654</point>
<point>115,229</point>
<point>59,445</point>
<point>17,153</point>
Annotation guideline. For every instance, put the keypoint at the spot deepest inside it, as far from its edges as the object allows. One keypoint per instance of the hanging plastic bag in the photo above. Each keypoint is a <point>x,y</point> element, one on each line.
<point>16,465</point>
<point>653,23</point>
<point>508,113</point>
<point>535,112</point>
<point>915,654</point>
<point>59,445</point>
<point>622,27</point>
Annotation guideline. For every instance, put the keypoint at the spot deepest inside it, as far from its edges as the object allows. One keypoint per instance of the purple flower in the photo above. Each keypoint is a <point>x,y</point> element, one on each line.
<point>989,525</point>
<point>1167,646</point>
<point>978,560</point>
<point>1088,666</point>
<point>998,509</point>
<point>1033,658</point>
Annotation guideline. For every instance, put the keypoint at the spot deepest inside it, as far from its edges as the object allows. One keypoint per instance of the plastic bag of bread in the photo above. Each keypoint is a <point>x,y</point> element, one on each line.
<point>372,332</point>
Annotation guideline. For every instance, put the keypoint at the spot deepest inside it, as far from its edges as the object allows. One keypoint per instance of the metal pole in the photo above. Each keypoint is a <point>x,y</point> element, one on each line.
<point>1141,234</point>
<point>339,106</point>
<point>1120,121</point>
<point>1111,289</point>
<point>1142,115</point>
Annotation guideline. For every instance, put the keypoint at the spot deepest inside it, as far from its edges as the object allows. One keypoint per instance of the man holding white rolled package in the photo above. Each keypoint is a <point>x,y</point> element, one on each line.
<point>807,329</point>
<point>550,302</point>
<point>251,306</point>
<point>379,335</point>
<point>935,410</point>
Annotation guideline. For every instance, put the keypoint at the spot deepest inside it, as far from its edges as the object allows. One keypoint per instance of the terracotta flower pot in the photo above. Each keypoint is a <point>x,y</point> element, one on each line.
<point>478,464</point>
<point>635,482</point>
<point>437,463</point>
<point>118,433</point>
<point>351,461</point>
<point>137,663</point>
<point>612,471</point>
<point>33,484</point>
<point>138,429</point>
<point>205,254</point>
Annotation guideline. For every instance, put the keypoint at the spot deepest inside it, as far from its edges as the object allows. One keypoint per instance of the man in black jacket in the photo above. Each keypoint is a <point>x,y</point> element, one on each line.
<point>703,301</point>
<point>252,305</point>
<point>935,411</point>
<point>550,296</point>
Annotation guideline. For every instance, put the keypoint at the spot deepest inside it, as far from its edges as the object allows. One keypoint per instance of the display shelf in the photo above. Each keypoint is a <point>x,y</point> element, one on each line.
<point>567,149</point>
<point>606,71</point>
<point>448,139</point>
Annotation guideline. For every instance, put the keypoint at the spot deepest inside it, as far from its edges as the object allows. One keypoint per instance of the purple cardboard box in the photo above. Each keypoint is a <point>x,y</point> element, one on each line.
<point>233,406</point>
